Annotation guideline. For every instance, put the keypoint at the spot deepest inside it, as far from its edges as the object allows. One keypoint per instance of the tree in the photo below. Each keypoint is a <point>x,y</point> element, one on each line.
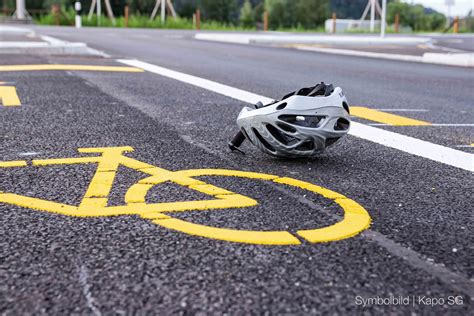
<point>292,13</point>
<point>247,17</point>
<point>220,10</point>
<point>415,16</point>
<point>348,9</point>
<point>279,14</point>
<point>311,13</point>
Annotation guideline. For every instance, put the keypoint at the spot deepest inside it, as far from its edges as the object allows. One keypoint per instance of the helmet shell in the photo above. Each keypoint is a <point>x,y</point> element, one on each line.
<point>298,126</point>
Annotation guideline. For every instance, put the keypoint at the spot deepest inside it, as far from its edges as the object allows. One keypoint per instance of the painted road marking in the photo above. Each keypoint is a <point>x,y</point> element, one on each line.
<point>69,67</point>
<point>431,124</point>
<point>8,96</point>
<point>15,163</point>
<point>402,110</point>
<point>385,118</point>
<point>94,202</point>
<point>414,146</point>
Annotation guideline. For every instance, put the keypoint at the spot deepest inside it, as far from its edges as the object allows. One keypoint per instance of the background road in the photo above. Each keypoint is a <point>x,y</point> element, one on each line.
<point>419,243</point>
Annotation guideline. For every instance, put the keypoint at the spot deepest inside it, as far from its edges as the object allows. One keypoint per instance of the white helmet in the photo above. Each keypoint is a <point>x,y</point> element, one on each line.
<point>302,124</point>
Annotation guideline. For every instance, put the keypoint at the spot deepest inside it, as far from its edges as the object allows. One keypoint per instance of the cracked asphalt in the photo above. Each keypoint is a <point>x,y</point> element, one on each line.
<point>419,244</point>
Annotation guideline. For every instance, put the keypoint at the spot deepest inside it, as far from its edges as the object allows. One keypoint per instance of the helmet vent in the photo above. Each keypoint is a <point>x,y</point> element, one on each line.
<point>331,140</point>
<point>281,106</point>
<point>263,141</point>
<point>341,124</point>
<point>286,127</point>
<point>307,145</point>
<point>346,107</point>
<point>304,121</point>
<point>281,137</point>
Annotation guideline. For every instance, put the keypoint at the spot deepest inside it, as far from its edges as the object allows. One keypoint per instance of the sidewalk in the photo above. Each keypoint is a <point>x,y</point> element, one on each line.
<point>20,40</point>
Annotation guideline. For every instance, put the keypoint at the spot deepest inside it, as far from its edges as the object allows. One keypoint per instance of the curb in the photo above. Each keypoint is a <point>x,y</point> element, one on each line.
<point>450,59</point>
<point>241,38</point>
<point>49,46</point>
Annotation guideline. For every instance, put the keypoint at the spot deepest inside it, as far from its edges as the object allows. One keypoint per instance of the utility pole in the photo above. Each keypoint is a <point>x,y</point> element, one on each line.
<point>383,18</point>
<point>163,11</point>
<point>372,15</point>
<point>20,9</point>
<point>449,4</point>
<point>99,11</point>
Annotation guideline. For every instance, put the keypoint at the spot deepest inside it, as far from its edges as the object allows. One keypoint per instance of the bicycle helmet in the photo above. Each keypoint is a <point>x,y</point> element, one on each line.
<point>304,123</point>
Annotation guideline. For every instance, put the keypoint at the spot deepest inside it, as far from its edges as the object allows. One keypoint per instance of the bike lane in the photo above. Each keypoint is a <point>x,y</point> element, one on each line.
<point>177,127</point>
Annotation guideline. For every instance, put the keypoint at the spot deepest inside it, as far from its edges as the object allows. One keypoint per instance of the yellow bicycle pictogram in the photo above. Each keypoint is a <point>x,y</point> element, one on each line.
<point>108,159</point>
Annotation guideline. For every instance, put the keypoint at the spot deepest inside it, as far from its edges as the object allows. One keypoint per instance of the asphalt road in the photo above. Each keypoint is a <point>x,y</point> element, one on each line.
<point>419,244</point>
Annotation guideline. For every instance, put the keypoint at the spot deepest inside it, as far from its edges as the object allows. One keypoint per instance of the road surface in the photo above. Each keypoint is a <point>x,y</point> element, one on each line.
<point>418,246</point>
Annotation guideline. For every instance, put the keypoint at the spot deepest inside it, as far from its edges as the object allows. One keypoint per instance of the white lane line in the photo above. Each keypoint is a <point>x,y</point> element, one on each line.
<point>86,290</point>
<point>452,125</point>
<point>414,146</point>
<point>228,91</point>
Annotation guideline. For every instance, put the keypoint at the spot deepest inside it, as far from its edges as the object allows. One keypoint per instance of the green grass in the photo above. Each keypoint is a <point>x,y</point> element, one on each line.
<point>139,21</point>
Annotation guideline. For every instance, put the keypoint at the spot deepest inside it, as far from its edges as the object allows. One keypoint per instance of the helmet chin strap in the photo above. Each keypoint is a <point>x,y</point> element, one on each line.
<point>235,143</point>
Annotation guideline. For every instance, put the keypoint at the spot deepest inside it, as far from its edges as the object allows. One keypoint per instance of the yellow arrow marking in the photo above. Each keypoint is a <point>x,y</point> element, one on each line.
<point>69,67</point>
<point>9,97</point>
<point>386,118</point>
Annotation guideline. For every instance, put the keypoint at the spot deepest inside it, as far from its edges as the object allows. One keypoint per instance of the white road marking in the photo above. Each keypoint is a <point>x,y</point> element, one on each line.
<point>86,290</point>
<point>29,153</point>
<point>414,146</point>
<point>228,91</point>
<point>453,125</point>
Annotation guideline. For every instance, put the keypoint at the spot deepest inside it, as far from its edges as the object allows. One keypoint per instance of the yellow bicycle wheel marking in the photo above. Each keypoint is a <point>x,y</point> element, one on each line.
<point>94,202</point>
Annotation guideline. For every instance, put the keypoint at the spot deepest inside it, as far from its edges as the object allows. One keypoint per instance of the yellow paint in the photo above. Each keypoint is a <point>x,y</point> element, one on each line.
<point>356,218</point>
<point>385,118</point>
<point>243,236</point>
<point>108,161</point>
<point>69,67</point>
<point>9,97</point>
<point>16,163</point>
